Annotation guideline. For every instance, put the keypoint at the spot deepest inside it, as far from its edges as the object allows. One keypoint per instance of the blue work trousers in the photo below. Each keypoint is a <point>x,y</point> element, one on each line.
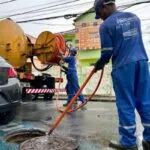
<point>72,86</point>
<point>132,88</point>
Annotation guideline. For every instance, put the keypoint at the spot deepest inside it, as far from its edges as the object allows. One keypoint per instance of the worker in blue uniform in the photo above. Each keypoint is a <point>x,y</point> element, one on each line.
<point>121,40</point>
<point>72,85</point>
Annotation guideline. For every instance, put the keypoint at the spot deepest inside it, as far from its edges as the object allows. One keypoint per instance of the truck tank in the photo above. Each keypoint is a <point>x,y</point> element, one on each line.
<point>14,46</point>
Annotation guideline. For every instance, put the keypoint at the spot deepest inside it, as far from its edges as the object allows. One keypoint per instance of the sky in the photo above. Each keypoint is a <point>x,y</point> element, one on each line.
<point>58,8</point>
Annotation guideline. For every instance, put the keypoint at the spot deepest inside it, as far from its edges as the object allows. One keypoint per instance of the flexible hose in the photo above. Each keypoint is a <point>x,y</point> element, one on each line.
<point>44,69</point>
<point>60,49</point>
<point>59,119</point>
<point>81,105</point>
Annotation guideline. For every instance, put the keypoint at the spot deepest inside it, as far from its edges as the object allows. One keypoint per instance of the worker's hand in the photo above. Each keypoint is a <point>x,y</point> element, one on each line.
<point>99,65</point>
<point>62,70</point>
<point>61,62</point>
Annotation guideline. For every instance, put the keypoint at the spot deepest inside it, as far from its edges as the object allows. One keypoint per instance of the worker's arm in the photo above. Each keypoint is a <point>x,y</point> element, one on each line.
<point>62,57</point>
<point>107,48</point>
<point>62,61</point>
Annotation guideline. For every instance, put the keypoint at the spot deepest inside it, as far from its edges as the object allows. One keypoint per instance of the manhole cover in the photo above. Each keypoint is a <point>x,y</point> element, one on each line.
<point>23,135</point>
<point>50,143</point>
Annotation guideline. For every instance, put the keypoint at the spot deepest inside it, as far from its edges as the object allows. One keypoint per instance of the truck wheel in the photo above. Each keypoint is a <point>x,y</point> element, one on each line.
<point>28,97</point>
<point>48,97</point>
<point>6,117</point>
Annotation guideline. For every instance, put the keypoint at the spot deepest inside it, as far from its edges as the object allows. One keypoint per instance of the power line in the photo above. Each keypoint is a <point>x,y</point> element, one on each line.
<point>133,4</point>
<point>25,8</point>
<point>35,10</point>
<point>141,8</point>
<point>67,16</point>
<point>51,24</point>
<point>7,1</point>
<point>55,10</point>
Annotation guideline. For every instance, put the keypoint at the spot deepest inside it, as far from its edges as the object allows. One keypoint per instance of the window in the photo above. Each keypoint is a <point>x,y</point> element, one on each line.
<point>77,41</point>
<point>95,23</point>
<point>84,24</point>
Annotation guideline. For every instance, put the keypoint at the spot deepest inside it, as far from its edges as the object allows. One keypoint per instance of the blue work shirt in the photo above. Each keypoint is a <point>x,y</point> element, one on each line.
<point>71,60</point>
<point>121,39</point>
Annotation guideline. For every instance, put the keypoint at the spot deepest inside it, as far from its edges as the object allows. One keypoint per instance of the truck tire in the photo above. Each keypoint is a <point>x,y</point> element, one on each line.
<point>49,83</point>
<point>48,97</point>
<point>8,116</point>
<point>28,97</point>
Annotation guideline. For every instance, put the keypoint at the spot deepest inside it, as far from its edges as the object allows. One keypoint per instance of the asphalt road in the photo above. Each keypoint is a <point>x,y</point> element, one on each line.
<point>93,128</point>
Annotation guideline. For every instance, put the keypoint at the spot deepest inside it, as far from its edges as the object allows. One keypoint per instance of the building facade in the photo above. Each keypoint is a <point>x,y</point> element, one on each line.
<point>86,38</point>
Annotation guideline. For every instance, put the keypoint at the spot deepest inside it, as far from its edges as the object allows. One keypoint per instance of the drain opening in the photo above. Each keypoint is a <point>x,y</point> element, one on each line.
<point>20,136</point>
<point>35,139</point>
<point>50,143</point>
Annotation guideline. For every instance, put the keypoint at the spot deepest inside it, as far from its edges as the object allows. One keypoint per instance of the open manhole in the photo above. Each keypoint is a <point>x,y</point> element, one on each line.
<point>23,135</point>
<point>50,143</point>
<point>36,139</point>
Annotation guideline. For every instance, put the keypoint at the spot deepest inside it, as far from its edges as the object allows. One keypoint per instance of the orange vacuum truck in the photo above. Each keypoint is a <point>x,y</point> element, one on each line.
<point>20,52</point>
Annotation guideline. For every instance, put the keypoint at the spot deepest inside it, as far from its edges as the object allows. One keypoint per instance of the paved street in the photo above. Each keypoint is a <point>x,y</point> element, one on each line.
<point>93,127</point>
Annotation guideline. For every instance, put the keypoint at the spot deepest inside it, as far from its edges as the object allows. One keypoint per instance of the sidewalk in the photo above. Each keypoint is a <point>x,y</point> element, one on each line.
<point>98,98</point>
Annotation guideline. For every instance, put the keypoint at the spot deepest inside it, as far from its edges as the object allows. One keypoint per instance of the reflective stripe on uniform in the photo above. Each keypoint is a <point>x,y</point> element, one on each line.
<point>146,125</point>
<point>128,127</point>
<point>107,48</point>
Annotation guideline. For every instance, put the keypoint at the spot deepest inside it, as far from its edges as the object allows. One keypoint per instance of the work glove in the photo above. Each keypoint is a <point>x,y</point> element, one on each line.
<point>64,69</point>
<point>99,65</point>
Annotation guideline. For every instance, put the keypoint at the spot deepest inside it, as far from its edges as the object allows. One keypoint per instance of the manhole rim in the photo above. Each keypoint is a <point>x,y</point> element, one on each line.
<point>7,138</point>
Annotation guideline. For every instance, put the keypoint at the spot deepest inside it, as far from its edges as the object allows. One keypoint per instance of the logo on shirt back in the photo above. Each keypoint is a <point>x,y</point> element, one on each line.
<point>126,20</point>
<point>130,33</point>
<point>125,24</point>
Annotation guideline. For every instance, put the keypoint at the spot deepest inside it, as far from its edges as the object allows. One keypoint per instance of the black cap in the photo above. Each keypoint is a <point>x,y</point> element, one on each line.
<point>99,4</point>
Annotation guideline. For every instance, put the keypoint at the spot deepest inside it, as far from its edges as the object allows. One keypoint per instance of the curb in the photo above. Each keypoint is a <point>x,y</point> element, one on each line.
<point>96,98</point>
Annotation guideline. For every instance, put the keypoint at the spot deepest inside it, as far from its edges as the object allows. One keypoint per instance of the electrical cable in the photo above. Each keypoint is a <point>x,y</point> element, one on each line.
<point>68,16</point>
<point>25,8</point>
<point>35,10</point>
<point>133,4</point>
<point>50,24</point>
<point>7,2</point>
<point>54,11</point>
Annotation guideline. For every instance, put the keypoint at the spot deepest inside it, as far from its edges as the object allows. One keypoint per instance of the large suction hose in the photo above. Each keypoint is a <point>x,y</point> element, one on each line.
<point>59,119</point>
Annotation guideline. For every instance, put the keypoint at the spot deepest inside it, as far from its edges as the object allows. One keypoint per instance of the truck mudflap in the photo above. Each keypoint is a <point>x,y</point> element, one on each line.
<point>41,90</point>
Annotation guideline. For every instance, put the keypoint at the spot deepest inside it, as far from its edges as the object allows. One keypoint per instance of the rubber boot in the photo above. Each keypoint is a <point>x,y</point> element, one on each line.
<point>119,146</point>
<point>84,107</point>
<point>65,105</point>
<point>146,145</point>
<point>74,105</point>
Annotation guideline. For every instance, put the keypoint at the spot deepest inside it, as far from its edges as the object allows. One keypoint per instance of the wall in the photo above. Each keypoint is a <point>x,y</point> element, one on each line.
<point>87,35</point>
